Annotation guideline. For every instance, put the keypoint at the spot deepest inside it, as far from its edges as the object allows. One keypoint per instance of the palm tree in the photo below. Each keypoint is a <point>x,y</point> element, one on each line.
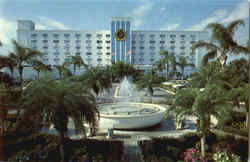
<point>65,100</point>
<point>183,62</point>
<point>202,104</point>
<point>40,66</point>
<point>63,70</point>
<point>120,70</point>
<point>173,64</point>
<point>159,65</point>
<point>149,81</point>
<point>22,56</point>
<point>166,60</point>
<point>77,61</point>
<point>9,62</point>
<point>222,41</point>
<point>97,79</point>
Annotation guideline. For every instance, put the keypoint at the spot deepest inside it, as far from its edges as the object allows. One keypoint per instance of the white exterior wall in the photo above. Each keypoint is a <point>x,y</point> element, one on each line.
<point>58,49</point>
<point>164,39</point>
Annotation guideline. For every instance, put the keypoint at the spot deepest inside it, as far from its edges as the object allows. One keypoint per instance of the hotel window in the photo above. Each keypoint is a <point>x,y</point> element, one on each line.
<point>108,54</point>
<point>67,35</point>
<point>45,47</point>
<point>182,42</point>
<point>67,53</point>
<point>192,42</point>
<point>66,41</point>
<point>99,36</point>
<point>78,41</point>
<point>33,35</point>
<point>182,47</point>
<point>45,35</point>
<point>98,41</point>
<point>88,53</point>
<point>78,36</point>
<point>88,35</point>
<point>108,35</point>
<point>66,48</point>
<point>151,42</point>
<point>172,47</point>
<point>56,36</point>
<point>98,47</point>
<point>133,42</point>
<point>152,53</point>
<point>56,53</point>
<point>99,59</point>
<point>162,42</point>
<point>108,47</point>
<point>162,48</point>
<point>142,42</point>
<point>55,41</point>
<point>67,59</point>
<point>88,41</point>
<point>78,53</point>
<point>78,47</point>
<point>142,54</point>
<point>45,41</point>
<point>56,59</point>
<point>33,41</point>
<point>133,47</point>
<point>152,48</point>
<point>172,41</point>
<point>88,47</point>
<point>183,36</point>
<point>107,41</point>
<point>172,36</point>
<point>152,36</point>
<point>162,35</point>
<point>151,59</point>
<point>141,47</point>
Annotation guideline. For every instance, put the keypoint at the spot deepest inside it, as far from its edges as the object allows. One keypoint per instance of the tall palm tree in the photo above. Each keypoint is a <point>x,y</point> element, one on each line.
<point>9,62</point>
<point>202,104</point>
<point>77,61</point>
<point>183,62</point>
<point>149,81</point>
<point>173,64</point>
<point>65,100</point>
<point>97,79</point>
<point>23,57</point>
<point>120,70</point>
<point>63,70</point>
<point>222,41</point>
<point>159,65</point>
<point>40,66</point>
<point>166,60</point>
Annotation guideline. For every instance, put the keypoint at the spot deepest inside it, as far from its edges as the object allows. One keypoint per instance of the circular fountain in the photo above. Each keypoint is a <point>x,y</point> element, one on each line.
<point>127,112</point>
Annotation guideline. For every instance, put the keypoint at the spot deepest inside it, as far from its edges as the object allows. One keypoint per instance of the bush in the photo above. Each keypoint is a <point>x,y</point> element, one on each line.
<point>46,146</point>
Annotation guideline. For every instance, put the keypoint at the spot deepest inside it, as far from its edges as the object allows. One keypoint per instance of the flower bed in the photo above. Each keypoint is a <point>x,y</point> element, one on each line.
<point>173,149</point>
<point>44,147</point>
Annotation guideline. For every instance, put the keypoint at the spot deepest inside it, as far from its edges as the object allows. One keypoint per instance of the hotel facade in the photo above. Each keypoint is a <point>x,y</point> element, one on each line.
<point>102,47</point>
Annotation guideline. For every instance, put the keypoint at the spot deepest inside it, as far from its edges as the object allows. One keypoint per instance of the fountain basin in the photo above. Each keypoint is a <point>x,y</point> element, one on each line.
<point>127,115</point>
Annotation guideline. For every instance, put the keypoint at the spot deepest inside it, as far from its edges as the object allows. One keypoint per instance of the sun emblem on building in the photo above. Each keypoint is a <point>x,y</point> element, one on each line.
<point>120,35</point>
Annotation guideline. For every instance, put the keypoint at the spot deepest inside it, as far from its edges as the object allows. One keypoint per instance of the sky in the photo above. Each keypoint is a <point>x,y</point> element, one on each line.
<point>177,15</point>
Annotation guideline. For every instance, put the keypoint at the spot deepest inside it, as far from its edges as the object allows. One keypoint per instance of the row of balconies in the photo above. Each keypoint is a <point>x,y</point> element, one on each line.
<point>67,35</point>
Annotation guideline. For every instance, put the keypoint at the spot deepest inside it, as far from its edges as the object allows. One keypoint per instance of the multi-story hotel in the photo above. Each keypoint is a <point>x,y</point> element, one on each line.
<point>101,47</point>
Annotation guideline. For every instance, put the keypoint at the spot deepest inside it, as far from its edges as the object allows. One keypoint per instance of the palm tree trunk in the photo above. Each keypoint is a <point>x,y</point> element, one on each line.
<point>61,146</point>
<point>203,141</point>
<point>151,91</point>
<point>223,60</point>
<point>38,75</point>
<point>20,69</point>
<point>74,69</point>
<point>182,73</point>
<point>166,71</point>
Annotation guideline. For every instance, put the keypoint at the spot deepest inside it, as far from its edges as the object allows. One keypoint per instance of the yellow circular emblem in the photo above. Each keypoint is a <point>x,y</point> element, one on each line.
<point>120,34</point>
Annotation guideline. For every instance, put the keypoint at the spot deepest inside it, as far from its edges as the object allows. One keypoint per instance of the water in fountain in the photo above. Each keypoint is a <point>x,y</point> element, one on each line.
<point>126,91</point>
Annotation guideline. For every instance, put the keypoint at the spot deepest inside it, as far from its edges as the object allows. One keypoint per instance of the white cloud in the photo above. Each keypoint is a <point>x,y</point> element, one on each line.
<point>47,23</point>
<point>218,16</point>
<point>7,33</point>
<point>139,13</point>
<point>171,27</point>
<point>241,11</point>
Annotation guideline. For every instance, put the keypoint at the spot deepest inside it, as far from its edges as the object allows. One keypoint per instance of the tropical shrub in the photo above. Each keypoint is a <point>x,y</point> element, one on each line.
<point>193,155</point>
<point>225,156</point>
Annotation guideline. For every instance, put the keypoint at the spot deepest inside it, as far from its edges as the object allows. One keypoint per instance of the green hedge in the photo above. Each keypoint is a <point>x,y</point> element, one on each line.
<point>109,150</point>
<point>173,148</point>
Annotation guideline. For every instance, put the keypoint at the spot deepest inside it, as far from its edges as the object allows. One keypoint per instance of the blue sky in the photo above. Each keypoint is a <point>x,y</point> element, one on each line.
<point>95,14</point>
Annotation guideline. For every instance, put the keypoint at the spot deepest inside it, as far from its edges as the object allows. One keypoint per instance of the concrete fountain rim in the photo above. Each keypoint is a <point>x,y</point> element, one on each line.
<point>161,108</point>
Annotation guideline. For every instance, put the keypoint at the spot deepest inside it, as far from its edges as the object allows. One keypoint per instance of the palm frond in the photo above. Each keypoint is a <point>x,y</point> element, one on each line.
<point>203,44</point>
<point>233,26</point>
<point>210,55</point>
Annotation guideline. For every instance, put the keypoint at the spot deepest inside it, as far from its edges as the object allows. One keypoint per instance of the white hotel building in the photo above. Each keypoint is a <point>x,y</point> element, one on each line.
<point>119,43</point>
